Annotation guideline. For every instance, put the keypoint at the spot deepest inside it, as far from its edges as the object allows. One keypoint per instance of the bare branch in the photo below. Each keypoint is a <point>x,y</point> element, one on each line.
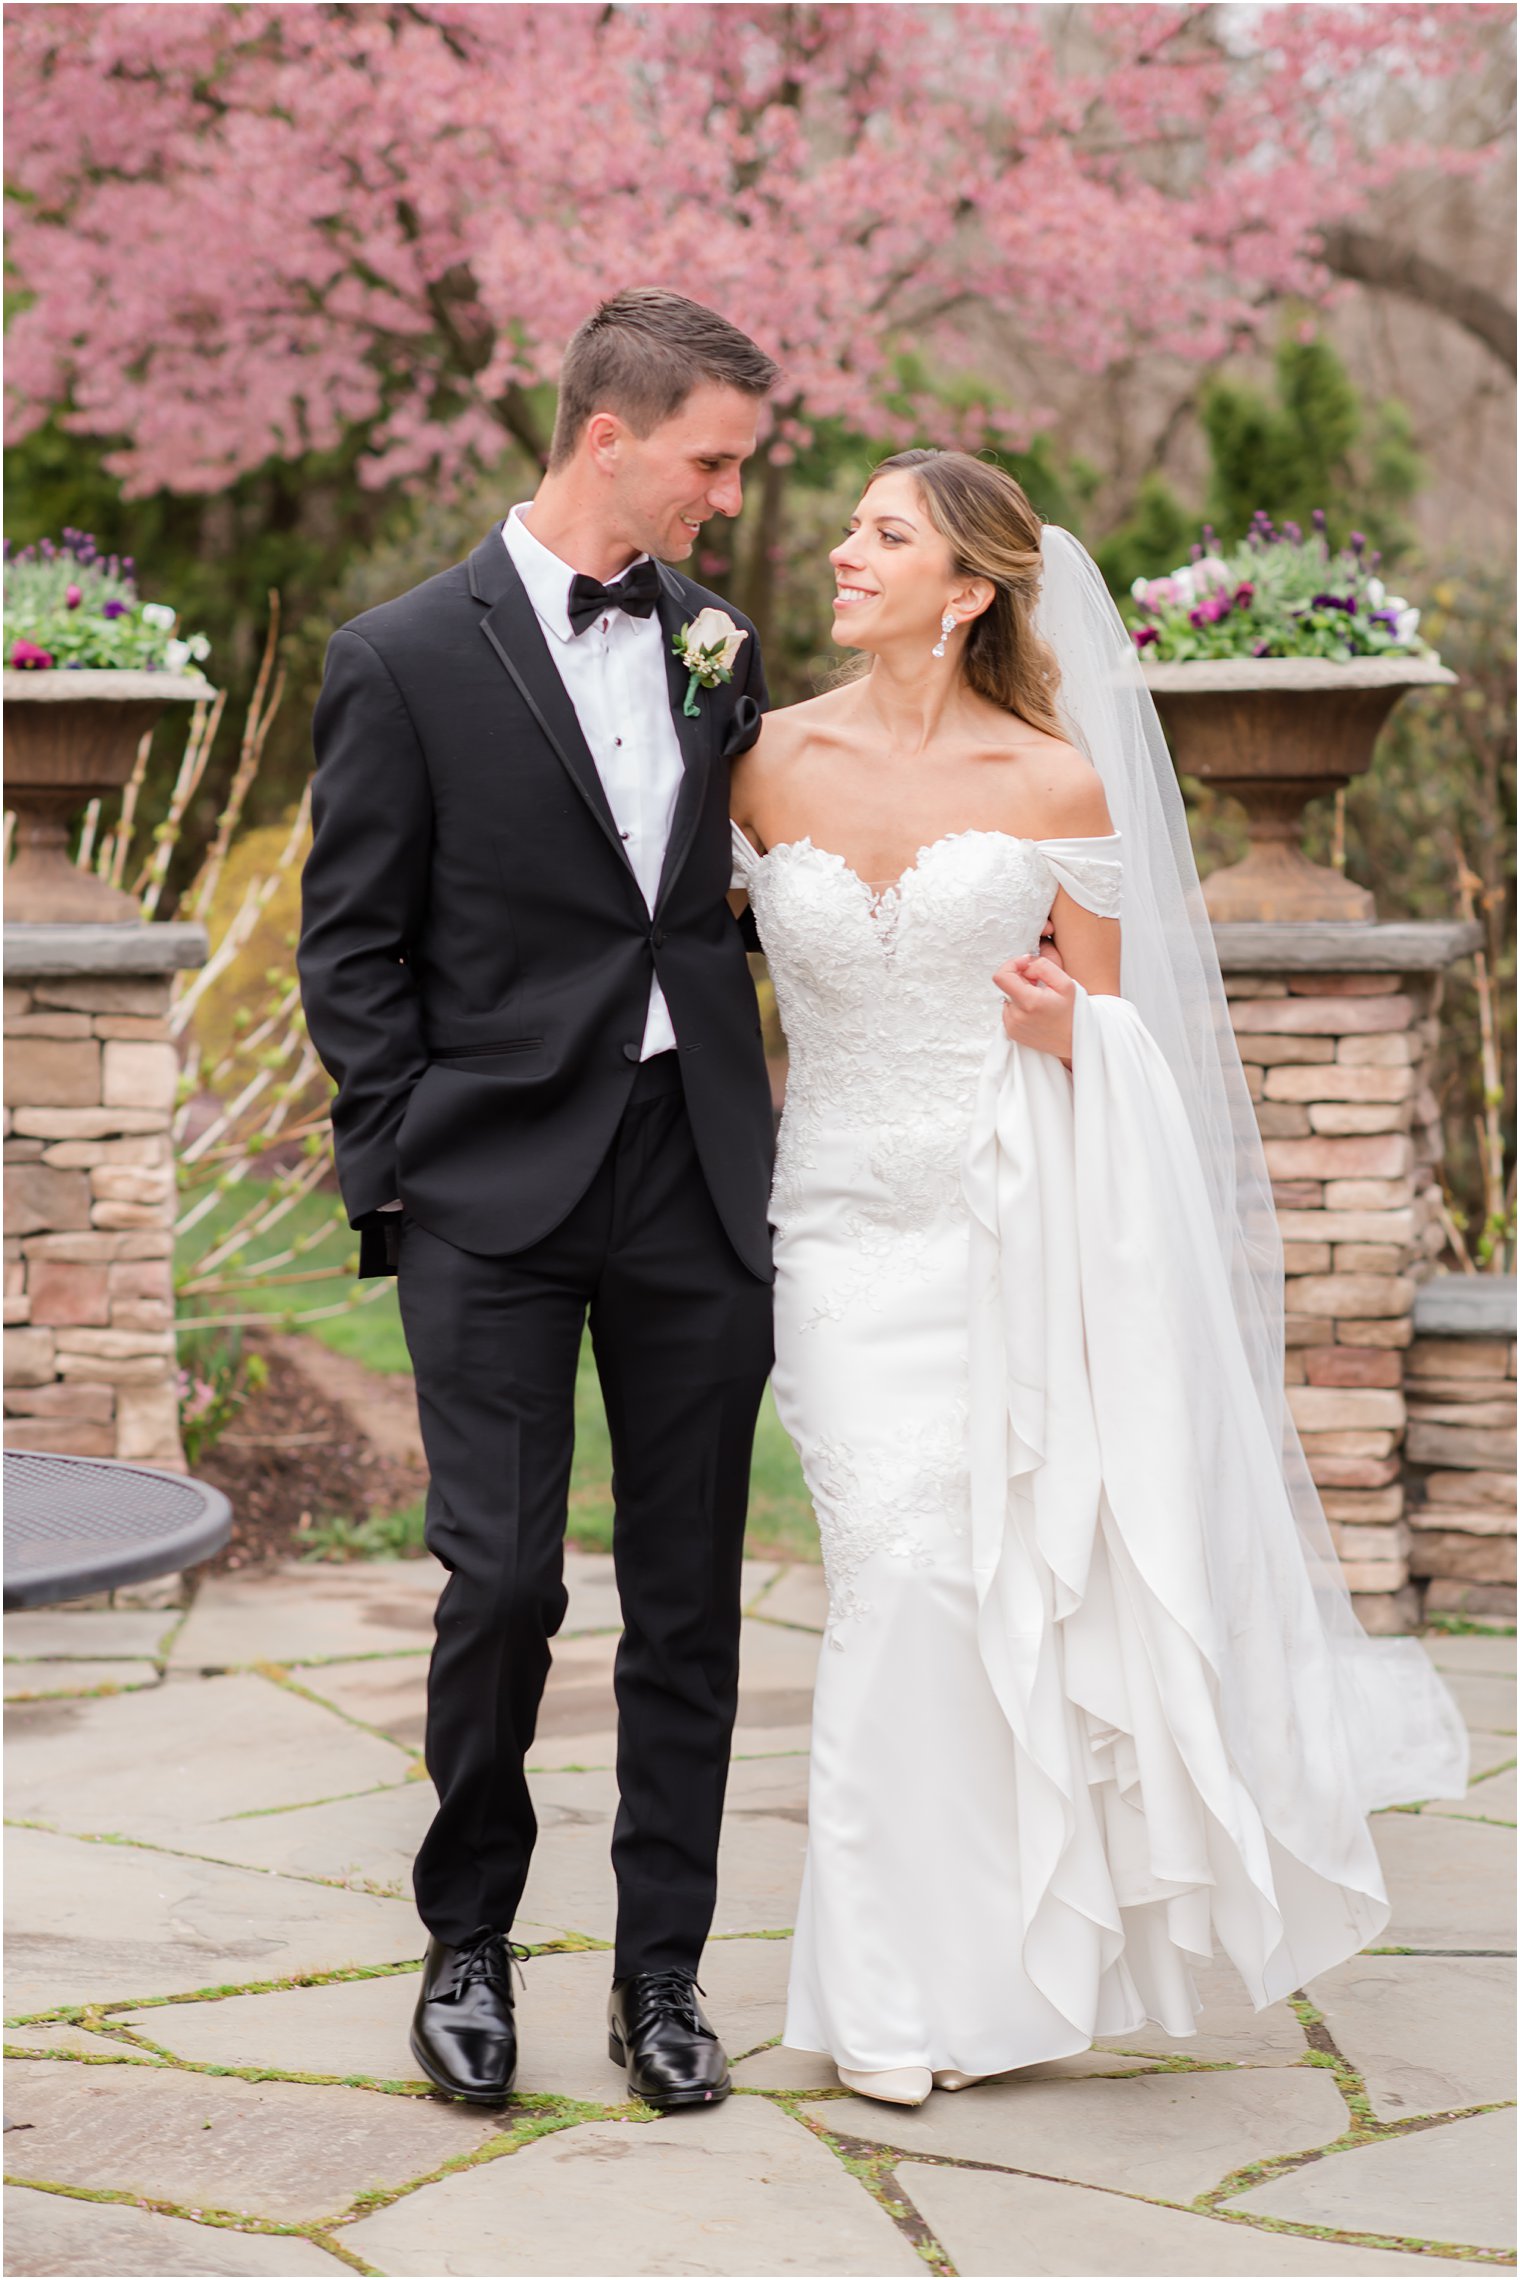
<point>1368,259</point>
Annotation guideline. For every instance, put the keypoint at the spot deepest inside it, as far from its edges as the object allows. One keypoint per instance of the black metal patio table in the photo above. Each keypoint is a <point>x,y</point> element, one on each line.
<point>74,1525</point>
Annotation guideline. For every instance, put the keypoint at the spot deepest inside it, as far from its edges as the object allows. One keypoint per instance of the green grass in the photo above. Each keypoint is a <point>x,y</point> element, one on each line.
<point>780,1514</point>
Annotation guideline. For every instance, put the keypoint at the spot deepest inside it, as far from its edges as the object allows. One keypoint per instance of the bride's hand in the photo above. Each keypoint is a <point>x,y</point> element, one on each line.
<point>1041,996</point>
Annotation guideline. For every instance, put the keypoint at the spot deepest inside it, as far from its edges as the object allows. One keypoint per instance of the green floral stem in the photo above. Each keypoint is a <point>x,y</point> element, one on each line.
<point>691,708</point>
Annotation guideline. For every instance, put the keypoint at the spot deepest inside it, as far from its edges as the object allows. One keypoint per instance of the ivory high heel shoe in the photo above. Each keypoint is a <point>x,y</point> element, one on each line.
<point>897,2086</point>
<point>947,2078</point>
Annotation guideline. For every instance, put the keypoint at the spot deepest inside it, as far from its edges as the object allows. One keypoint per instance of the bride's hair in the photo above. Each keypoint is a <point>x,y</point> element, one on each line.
<point>992,532</point>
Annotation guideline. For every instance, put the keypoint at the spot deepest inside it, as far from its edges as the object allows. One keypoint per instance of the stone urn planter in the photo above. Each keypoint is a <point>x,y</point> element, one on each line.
<point>1275,733</point>
<point>71,737</point>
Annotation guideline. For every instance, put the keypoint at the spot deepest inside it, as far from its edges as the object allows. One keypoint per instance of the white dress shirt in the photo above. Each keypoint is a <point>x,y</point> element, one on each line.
<point>615,676</point>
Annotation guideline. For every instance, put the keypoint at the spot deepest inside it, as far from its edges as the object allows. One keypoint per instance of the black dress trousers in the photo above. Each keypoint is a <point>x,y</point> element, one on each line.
<point>682,1336</point>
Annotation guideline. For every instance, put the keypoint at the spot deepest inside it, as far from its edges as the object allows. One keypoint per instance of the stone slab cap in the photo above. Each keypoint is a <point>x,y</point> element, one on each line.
<point>1340,946</point>
<point>1241,675</point>
<point>111,684</point>
<point>158,948</point>
<point>1465,1306</point>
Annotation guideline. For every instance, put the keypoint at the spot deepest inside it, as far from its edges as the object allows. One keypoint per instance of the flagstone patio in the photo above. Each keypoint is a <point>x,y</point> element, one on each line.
<point>212,1959</point>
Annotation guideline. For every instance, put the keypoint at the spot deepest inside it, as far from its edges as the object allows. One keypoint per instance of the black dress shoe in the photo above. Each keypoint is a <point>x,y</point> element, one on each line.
<point>658,2030</point>
<point>464,2036</point>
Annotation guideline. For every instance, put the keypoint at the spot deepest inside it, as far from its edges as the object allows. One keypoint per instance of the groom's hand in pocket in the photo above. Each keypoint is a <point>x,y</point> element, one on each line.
<point>1041,996</point>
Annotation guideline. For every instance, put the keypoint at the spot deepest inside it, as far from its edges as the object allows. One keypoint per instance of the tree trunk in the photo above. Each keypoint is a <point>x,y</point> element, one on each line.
<point>756,583</point>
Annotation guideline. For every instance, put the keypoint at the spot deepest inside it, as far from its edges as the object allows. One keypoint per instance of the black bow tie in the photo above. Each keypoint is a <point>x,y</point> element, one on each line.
<point>636,593</point>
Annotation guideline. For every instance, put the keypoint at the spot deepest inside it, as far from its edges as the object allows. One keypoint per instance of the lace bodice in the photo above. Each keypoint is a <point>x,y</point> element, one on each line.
<point>887,998</point>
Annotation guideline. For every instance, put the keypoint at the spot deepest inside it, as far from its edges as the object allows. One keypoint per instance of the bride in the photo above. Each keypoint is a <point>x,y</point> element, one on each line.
<point>1093,1702</point>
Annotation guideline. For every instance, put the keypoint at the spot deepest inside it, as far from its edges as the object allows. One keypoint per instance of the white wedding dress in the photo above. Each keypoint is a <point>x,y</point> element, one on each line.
<point>1058,1755</point>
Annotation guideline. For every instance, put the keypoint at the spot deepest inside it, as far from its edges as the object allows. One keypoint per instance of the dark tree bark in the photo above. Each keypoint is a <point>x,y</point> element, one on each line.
<point>1372,260</point>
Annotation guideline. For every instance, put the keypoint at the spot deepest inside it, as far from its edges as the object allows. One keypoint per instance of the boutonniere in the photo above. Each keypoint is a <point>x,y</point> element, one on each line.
<point>707,648</point>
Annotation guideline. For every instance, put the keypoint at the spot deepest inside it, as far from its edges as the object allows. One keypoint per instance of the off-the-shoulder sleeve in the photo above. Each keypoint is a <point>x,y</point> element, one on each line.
<point>746,861</point>
<point>1091,871</point>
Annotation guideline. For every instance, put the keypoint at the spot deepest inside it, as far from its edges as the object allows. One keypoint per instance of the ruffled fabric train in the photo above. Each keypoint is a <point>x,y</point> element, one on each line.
<point>1198,1734</point>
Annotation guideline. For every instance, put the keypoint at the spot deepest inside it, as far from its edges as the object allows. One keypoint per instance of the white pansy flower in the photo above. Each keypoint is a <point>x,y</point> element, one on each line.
<point>199,647</point>
<point>1377,593</point>
<point>159,615</point>
<point>1406,625</point>
<point>176,655</point>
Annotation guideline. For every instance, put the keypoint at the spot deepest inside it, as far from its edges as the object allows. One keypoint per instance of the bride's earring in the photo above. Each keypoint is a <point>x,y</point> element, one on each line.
<point>946,628</point>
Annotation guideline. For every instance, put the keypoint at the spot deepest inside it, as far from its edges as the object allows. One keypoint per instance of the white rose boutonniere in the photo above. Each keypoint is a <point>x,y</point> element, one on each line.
<point>707,648</point>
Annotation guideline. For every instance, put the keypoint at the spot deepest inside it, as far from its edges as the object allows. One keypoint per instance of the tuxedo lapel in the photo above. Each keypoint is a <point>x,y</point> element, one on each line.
<point>511,626</point>
<point>694,736</point>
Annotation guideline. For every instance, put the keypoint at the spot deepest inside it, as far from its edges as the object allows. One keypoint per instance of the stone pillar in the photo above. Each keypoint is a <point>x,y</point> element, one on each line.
<point>1337,1026</point>
<point>1460,1385</point>
<point>90,1076</point>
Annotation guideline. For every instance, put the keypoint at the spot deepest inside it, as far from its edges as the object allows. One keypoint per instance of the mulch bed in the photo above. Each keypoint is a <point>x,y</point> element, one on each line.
<point>292,1452</point>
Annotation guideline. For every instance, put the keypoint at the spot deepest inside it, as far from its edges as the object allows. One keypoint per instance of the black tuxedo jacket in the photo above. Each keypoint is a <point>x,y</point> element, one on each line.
<point>475,952</point>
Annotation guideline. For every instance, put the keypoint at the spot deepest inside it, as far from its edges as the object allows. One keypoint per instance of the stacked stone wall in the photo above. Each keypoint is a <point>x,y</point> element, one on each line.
<point>90,1076</point>
<point>1461,1452</point>
<point>1339,1068</point>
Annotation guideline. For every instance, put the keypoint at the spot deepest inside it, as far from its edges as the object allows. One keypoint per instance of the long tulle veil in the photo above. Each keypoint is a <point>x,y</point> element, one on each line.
<point>1404,1735</point>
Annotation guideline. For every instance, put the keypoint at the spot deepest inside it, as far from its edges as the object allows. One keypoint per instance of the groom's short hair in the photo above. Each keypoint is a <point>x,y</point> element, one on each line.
<point>641,354</point>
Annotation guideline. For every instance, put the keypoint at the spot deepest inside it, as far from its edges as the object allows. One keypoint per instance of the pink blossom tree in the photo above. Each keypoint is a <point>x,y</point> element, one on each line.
<point>257,232</point>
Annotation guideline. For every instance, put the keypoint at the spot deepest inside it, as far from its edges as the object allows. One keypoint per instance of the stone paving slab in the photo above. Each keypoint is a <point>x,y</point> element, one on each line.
<point>125,1633</point>
<point>798,1596</point>
<point>1171,2135</point>
<point>113,1924</point>
<point>359,2026</point>
<point>60,2039</point>
<point>1492,1799</point>
<point>308,1612</point>
<point>783,2069</point>
<point>1451,1881</point>
<point>1487,1753</point>
<point>583,1753</point>
<point>1005,2226</point>
<point>1491,1651</point>
<point>388,1693</point>
<point>38,1681</point>
<point>151,1764</point>
<point>1229,2029</point>
<point>570,1885</point>
<point>746,2191</point>
<point>1454,2182</point>
<point>765,1784</point>
<point>1424,2032</point>
<point>349,2027</point>
<point>1487,1703</point>
<point>367,1843</point>
<point>48,2235</point>
<point>287,2150</point>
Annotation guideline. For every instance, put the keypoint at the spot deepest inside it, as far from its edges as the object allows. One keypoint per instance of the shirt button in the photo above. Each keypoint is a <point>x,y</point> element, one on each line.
<point>618,741</point>
<point>631,1052</point>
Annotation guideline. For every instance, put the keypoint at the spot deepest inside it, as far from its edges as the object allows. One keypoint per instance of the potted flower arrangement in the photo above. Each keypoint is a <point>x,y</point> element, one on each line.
<point>88,670</point>
<point>1274,664</point>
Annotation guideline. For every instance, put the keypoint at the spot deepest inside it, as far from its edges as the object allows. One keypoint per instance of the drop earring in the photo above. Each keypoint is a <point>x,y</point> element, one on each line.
<point>946,628</point>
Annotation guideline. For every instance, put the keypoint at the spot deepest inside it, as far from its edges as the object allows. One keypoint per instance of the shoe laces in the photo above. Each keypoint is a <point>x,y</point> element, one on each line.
<point>489,1959</point>
<point>671,1994</point>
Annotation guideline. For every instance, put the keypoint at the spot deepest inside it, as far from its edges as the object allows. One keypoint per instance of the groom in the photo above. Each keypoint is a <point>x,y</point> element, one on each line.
<point>521,971</point>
